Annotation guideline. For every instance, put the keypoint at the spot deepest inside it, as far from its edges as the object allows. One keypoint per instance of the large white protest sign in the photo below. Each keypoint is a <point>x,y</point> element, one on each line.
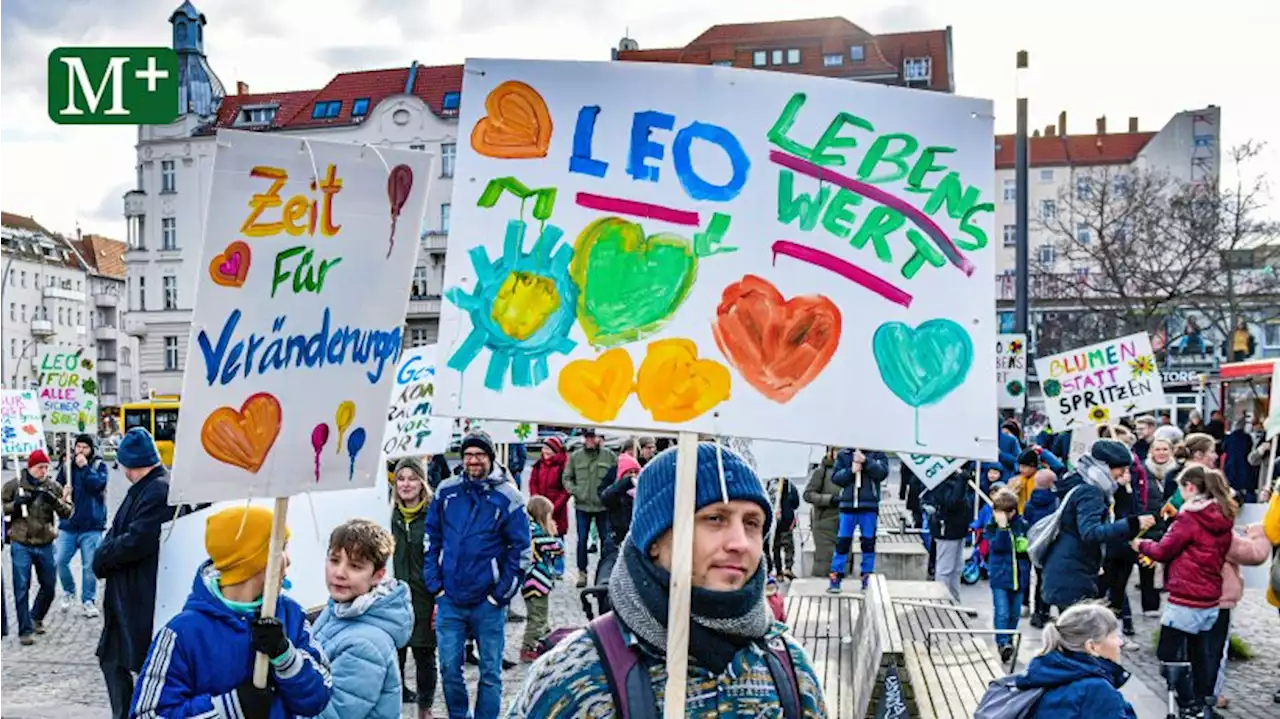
<point>21,429</point>
<point>929,469</point>
<point>1100,383</point>
<point>667,247</point>
<point>68,388</point>
<point>498,431</point>
<point>1011,371</point>
<point>412,431</point>
<point>298,319</point>
<point>781,459</point>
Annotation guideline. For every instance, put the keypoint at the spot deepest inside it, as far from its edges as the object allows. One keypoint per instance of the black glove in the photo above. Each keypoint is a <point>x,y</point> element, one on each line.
<point>22,500</point>
<point>266,635</point>
<point>255,703</point>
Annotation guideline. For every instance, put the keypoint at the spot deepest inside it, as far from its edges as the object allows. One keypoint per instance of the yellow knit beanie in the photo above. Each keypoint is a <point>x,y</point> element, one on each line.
<point>238,554</point>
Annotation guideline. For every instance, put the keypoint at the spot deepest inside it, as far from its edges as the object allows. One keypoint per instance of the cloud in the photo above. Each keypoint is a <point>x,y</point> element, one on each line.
<point>111,207</point>
<point>902,17</point>
<point>368,57</point>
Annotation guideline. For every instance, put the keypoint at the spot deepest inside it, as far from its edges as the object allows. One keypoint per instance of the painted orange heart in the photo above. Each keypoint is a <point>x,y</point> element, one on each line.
<point>598,388</point>
<point>675,385</point>
<point>518,124</point>
<point>230,267</point>
<point>778,345</point>
<point>243,438</point>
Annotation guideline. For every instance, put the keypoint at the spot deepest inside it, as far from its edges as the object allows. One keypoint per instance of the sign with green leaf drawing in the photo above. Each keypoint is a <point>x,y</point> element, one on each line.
<point>68,387</point>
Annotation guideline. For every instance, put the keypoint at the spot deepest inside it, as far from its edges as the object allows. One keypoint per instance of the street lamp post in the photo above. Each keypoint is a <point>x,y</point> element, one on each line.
<point>1021,153</point>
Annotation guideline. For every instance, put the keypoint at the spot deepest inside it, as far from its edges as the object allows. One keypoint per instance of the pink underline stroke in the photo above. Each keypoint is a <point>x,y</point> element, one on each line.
<point>620,206</point>
<point>876,194</point>
<point>845,269</point>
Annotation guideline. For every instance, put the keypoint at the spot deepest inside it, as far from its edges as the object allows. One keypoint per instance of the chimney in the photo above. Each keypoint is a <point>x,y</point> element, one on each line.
<point>1102,125</point>
<point>242,87</point>
<point>1133,124</point>
<point>1062,123</point>
<point>1035,133</point>
<point>1050,131</point>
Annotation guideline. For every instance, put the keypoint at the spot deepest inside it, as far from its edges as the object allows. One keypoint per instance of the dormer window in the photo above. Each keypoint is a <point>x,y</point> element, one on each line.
<point>857,53</point>
<point>326,109</point>
<point>256,115</point>
<point>360,107</point>
<point>451,100</point>
<point>917,69</point>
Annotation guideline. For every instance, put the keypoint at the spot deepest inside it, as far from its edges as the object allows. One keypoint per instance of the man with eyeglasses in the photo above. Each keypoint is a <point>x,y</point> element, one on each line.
<point>477,554</point>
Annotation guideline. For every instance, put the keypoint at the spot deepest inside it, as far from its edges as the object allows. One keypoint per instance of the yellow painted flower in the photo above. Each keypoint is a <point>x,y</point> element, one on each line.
<point>1100,415</point>
<point>1142,366</point>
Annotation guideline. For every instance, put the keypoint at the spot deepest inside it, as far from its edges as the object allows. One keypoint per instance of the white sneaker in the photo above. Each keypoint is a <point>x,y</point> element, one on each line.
<point>67,601</point>
<point>91,610</point>
<point>1152,614</point>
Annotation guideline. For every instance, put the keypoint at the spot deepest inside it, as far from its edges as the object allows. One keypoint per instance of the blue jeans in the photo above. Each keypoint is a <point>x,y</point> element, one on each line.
<point>487,623</point>
<point>1007,605</point>
<point>584,533</point>
<point>866,521</point>
<point>86,543</point>
<point>25,557</point>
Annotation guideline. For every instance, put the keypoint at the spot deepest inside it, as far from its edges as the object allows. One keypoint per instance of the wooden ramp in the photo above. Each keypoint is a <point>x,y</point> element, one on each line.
<point>824,626</point>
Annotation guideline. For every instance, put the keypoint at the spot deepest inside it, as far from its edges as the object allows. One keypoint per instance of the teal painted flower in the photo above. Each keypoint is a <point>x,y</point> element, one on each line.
<point>1052,388</point>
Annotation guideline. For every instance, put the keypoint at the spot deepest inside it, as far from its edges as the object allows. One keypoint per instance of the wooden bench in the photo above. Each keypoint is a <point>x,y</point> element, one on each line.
<point>825,625</point>
<point>948,666</point>
<point>900,555</point>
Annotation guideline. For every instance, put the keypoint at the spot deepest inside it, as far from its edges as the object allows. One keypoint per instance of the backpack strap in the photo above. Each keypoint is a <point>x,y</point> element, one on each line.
<point>628,675</point>
<point>783,671</point>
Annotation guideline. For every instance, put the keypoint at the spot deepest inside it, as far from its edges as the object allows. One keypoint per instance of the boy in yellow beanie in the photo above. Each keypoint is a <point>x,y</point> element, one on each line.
<point>201,662</point>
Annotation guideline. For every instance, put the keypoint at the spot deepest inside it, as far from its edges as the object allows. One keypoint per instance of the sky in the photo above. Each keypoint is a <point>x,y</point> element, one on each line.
<point>1144,58</point>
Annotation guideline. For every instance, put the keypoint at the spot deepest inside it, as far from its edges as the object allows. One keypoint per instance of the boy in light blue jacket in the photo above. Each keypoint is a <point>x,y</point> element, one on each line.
<point>368,618</point>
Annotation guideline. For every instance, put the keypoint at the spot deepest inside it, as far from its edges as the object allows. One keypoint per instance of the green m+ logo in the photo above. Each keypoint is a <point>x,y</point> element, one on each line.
<point>113,85</point>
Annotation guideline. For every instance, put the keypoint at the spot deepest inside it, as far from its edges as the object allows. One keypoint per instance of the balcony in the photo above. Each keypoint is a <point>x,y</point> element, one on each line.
<point>109,400</point>
<point>435,241</point>
<point>106,300</point>
<point>135,203</point>
<point>62,293</point>
<point>424,305</point>
<point>135,325</point>
<point>106,334</point>
<point>41,328</point>
<point>107,366</point>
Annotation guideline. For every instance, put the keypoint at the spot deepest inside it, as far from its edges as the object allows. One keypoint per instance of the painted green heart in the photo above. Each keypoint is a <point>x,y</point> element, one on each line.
<point>923,365</point>
<point>631,284</point>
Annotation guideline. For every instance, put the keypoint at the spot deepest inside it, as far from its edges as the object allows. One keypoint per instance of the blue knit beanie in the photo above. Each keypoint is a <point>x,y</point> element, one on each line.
<point>654,508</point>
<point>137,449</point>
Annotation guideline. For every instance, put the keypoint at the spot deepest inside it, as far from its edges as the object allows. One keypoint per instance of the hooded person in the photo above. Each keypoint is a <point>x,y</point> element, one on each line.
<point>1071,565</point>
<point>736,649</point>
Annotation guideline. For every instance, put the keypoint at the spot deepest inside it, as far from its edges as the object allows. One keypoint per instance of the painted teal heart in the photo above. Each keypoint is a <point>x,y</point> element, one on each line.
<point>631,284</point>
<point>923,365</point>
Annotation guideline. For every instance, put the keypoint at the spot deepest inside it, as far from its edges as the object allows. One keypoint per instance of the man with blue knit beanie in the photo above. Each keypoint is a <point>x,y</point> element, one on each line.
<point>738,655</point>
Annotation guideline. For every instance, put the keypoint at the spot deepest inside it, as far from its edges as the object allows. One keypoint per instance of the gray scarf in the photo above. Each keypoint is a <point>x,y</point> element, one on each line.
<point>1096,473</point>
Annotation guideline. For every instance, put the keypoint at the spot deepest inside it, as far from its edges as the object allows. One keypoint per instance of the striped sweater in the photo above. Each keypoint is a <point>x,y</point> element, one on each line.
<point>548,554</point>
<point>569,682</point>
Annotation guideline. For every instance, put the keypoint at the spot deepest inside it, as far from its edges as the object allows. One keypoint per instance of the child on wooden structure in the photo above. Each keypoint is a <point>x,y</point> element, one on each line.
<point>1008,566</point>
<point>548,552</point>
<point>201,662</point>
<point>368,618</point>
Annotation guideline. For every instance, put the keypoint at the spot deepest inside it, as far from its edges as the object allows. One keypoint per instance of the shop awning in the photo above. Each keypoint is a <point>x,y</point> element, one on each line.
<point>1246,370</point>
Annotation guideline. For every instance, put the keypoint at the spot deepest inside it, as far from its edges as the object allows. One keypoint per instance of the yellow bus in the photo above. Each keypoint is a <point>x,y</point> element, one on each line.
<point>158,415</point>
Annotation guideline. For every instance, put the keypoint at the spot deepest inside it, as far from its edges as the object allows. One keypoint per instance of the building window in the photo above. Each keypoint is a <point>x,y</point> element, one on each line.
<point>448,153</point>
<point>256,116</point>
<point>418,336</point>
<point>916,69</point>
<point>418,289</point>
<point>1046,175</point>
<point>1084,188</point>
<point>126,390</point>
<point>79,317</point>
<point>1045,254</point>
<point>759,58</point>
<point>451,101</point>
<point>1010,190</point>
<point>24,313</point>
<point>793,56</point>
<point>171,353</point>
<point>1121,185</point>
<point>326,109</point>
<point>142,294</point>
<point>857,53</point>
<point>170,292</point>
<point>444,218</point>
<point>1270,338</point>
<point>776,57</point>
<point>35,280</point>
<point>1083,233</point>
<point>13,346</point>
<point>126,357</point>
<point>1048,210</point>
<point>22,275</point>
<point>169,233</point>
<point>832,60</point>
<point>360,107</point>
<point>1010,235</point>
<point>168,176</point>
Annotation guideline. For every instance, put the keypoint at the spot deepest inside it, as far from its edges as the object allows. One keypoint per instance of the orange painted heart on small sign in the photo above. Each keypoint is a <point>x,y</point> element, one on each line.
<point>243,438</point>
<point>518,124</point>
<point>230,267</point>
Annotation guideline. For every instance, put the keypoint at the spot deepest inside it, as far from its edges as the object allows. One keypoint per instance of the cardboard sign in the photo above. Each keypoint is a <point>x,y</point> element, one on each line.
<point>67,384</point>
<point>1011,371</point>
<point>929,469</point>
<point>411,429</point>
<point>299,314</point>
<point>1100,383</point>
<point>655,247</point>
<point>21,428</point>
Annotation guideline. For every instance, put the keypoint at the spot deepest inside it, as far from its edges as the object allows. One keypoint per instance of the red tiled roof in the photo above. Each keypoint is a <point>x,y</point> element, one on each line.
<point>899,46</point>
<point>105,254</point>
<point>22,222</point>
<point>347,88</point>
<point>432,83</point>
<point>288,104</point>
<point>1075,150</point>
<point>777,30</point>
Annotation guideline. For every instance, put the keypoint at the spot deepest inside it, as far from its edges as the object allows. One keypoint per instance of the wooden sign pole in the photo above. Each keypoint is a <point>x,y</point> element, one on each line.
<point>271,591</point>
<point>678,609</point>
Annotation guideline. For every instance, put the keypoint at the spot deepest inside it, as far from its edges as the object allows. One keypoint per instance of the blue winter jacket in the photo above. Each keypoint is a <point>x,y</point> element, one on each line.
<point>1008,546</point>
<point>1077,686</point>
<point>1009,447</point>
<point>864,496</point>
<point>1041,504</point>
<point>477,540</point>
<point>198,659</point>
<point>89,494</point>
<point>361,638</point>
<point>1072,563</point>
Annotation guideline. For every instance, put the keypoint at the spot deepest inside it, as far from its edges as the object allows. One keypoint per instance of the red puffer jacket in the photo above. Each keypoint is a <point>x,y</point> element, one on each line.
<point>545,480</point>
<point>1193,552</point>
